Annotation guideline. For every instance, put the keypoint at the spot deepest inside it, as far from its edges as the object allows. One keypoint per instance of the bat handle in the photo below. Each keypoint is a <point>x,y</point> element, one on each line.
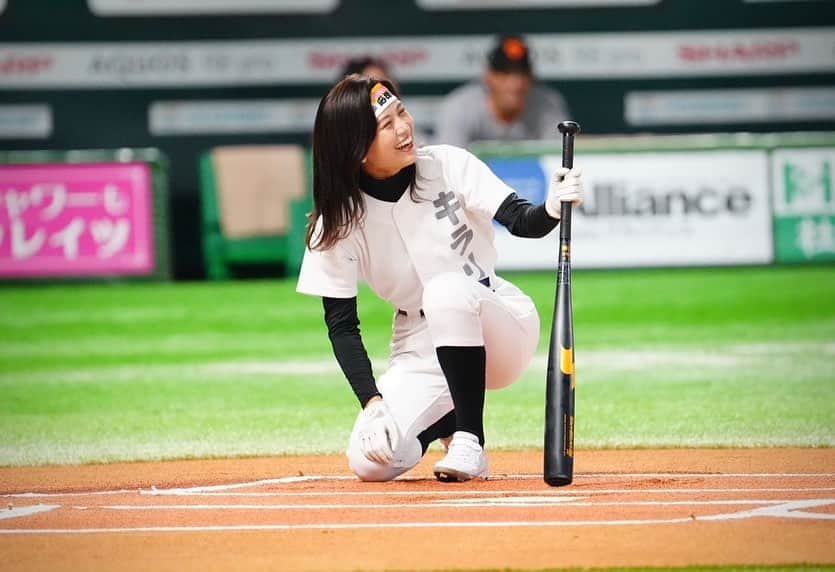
<point>568,129</point>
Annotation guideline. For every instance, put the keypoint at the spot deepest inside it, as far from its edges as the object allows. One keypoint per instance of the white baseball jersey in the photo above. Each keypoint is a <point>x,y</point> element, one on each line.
<point>400,246</point>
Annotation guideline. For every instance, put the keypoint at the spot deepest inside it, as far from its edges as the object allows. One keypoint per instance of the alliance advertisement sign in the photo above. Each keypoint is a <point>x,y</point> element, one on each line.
<point>651,209</point>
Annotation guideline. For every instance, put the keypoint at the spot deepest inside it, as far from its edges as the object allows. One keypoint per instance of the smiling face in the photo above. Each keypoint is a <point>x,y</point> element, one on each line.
<point>393,147</point>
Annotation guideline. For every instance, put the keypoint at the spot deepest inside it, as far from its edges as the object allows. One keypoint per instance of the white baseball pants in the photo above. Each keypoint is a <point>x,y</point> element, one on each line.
<point>458,312</point>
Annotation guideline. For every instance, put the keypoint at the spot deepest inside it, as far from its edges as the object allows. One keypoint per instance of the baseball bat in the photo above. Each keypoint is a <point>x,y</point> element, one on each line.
<point>559,389</point>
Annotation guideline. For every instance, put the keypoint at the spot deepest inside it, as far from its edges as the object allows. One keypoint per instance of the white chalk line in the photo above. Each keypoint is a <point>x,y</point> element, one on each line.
<point>774,509</point>
<point>463,503</point>
<point>789,509</point>
<point>405,493</point>
<point>224,488</point>
<point>313,478</point>
<point>17,512</point>
<point>492,492</point>
<point>786,510</point>
<point>189,490</point>
<point>340,526</point>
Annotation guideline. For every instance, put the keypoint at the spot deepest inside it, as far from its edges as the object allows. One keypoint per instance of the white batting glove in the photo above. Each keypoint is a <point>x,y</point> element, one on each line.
<point>566,186</point>
<point>378,433</point>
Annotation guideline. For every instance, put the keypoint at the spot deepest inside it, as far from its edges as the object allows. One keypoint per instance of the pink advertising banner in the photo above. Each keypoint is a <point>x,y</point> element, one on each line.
<point>75,220</point>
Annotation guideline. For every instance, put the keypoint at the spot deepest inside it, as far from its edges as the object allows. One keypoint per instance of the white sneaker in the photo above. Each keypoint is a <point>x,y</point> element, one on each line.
<point>465,460</point>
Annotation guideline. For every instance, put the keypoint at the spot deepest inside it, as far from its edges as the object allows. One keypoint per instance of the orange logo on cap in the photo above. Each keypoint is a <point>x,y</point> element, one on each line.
<point>513,48</point>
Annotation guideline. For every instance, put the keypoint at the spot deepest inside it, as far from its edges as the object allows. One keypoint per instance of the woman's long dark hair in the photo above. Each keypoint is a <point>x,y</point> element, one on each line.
<point>342,134</point>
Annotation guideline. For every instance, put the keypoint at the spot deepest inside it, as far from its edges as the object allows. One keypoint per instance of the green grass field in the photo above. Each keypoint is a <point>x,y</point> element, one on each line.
<point>665,358</point>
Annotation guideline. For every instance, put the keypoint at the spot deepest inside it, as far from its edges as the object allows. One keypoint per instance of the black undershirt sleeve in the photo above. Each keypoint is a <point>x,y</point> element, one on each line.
<point>343,330</point>
<point>523,219</point>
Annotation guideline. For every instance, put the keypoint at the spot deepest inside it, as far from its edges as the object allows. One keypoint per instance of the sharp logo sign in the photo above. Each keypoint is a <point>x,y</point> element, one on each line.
<point>401,58</point>
<point>743,52</point>
<point>24,64</point>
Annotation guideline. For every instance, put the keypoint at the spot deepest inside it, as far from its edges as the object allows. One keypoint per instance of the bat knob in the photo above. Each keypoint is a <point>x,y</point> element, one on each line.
<point>568,127</point>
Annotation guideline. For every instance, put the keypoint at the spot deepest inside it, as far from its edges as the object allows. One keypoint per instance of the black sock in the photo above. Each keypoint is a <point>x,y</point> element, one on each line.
<point>464,368</point>
<point>443,427</point>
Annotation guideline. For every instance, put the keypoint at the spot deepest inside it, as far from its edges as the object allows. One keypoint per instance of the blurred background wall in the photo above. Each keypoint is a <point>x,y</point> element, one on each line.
<point>107,74</point>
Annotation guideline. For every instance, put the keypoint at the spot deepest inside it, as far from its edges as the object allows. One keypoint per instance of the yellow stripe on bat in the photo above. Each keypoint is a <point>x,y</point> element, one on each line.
<point>567,361</point>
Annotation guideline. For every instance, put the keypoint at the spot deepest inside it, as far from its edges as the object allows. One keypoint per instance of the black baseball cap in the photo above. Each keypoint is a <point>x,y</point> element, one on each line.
<point>510,54</point>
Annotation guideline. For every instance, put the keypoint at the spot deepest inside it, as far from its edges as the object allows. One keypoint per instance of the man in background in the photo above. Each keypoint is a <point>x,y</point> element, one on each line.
<point>505,104</point>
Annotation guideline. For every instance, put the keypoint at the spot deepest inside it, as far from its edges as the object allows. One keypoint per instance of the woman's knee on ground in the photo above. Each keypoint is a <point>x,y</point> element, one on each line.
<point>407,455</point>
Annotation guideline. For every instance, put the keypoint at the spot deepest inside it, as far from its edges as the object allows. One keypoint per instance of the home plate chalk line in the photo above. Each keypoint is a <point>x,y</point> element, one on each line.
<point>486,500</point>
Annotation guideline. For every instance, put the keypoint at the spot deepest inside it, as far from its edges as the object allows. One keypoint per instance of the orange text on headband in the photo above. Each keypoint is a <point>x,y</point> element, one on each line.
<point>381,99</point>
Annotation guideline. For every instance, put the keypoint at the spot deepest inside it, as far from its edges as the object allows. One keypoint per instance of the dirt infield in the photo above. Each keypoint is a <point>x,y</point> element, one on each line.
<point>625,508</point>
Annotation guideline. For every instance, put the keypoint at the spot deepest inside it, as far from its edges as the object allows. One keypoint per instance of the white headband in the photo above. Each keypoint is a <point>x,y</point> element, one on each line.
<point>381,98</point>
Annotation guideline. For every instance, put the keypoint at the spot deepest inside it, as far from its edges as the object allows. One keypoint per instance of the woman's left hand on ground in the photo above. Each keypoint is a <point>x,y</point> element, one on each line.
<point>378,433</point>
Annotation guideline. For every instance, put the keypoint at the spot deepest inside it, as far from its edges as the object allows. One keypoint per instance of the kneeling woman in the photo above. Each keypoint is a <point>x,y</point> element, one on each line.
<point>416,226</point>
